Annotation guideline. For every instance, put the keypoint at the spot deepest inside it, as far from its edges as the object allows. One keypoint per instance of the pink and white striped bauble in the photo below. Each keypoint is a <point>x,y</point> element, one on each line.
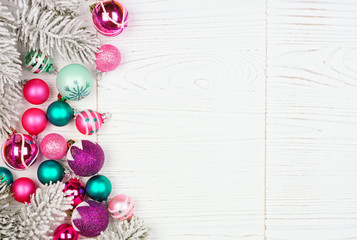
<point>121,207</point>
<point>90,121</point>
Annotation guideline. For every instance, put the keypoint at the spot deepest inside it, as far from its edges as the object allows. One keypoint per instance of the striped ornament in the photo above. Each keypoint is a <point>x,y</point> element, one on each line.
<point>89,122</point>
<point>121,207</point>
<point>38,62</point>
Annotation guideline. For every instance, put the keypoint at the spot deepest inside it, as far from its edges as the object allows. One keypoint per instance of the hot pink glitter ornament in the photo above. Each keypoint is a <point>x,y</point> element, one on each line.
<point>65,232</point>
<point>90,121</point>
<point>110,17</point>
<point>22,189</point>
<point>54,146</point>
<point>90,218</point>
<point>78,190</point>
<point>34,121</point>
<point>108,58</point>
<point>19,151</point>
<point>121,207</point>
<point>36,91</point>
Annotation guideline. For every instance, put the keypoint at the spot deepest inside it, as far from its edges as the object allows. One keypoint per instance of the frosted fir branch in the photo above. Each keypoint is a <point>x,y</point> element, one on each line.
<point>49,32</point>
<point>5,194</point>
<point>135,229</point>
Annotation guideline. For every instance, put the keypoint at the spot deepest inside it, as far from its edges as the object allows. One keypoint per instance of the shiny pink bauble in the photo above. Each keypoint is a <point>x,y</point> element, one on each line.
<point>89,121</point>
<point>121,207</point>
<point>22,189</point>
<point>65,232</point>
<point>54,146</point>
<point>19,151</point>
<point>108,58</point>
<point>36,91</point>
<point>34,121</point>
<point>79,192</point>
<point>111,20</point>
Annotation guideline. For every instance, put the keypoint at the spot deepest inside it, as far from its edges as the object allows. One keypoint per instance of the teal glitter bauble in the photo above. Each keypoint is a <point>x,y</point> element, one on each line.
<point>50,171</point>
<point>4,172</point>
<point>74,82</point>
<point>59,113</point>
<point>98,188</point>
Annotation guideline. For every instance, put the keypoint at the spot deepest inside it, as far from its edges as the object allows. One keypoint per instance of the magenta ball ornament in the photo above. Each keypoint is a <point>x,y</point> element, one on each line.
<point>19,151</point>
<point>65,232</point>
<point>108,58</point>
<point>34,121</point>
<point>85,158</point>
<point>110,18</point>
<point>22,189</point>
<point>78,190</point>
<point>121,207</point>
<point>54,146</point>
<point>90,218</point>
<point>36,91</point>
<point>89,121</point>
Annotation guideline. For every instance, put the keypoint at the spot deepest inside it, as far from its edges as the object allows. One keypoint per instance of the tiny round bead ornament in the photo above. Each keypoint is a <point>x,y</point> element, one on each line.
<point>90,121</point>
<point>34,121</point>
<point>110,18</point>
<point>19,151</point>
<point>85,158</point>
<point>7,175</point>
<point>90,218</point>
<point>36,91</point>
<point>78,190</point>
<point>74,82</point>
<point>65,232</point>
<point>50,171</point>
<point>108,58</point>
<point>99,188</point>
<point>22,189</point>
<point>59,113</point>
<point>38,62</point>
<point>54,146</point>
<point>121,207</point>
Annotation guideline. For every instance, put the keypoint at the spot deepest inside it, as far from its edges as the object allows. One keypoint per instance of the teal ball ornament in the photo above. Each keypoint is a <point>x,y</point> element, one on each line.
<point>59,113</point>
<point>74,82</point>
<point>50,171</point>
<point>7,175</point>
<point>99,188</point>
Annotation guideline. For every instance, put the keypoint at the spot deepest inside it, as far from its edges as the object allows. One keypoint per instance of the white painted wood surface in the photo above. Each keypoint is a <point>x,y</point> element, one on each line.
<point>233,119</point>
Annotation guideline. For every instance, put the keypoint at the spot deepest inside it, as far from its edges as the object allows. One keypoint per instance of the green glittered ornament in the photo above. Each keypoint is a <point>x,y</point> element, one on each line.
<point>7,175</point>
<point>38,62</point>
<point>98,188</point>
<point>74,82</point>
<point>59,113</point>
<point>50,171</point>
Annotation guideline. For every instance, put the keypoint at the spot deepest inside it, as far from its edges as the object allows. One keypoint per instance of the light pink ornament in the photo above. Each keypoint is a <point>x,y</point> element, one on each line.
<point>54,146</point>
<point>36,91</point>
<point>34,121</point>
<point>108,58</point>
<point>90,121</point>
<point>22,189</point>
<point>121,207</point>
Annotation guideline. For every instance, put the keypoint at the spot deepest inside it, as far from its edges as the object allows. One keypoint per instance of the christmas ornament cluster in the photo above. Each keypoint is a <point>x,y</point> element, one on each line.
<point>63,194</point>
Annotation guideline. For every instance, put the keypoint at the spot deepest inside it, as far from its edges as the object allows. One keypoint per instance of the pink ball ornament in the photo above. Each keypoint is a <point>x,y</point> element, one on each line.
<point>121,207</point>
<point>108,58</point>
<point>34,121</point>
<point>54,146</point>
<point>90,121</point>
<point>65,232</point>
<point>22,189</point>
<point>110,17</point>
<point>78,190</point>
<point>19,151</point>
<point>36,91</point>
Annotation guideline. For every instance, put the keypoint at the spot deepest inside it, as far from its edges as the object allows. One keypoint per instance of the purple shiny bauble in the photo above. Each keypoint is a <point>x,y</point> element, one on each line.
<point>90,218</point>
<point>19,151</point>
<point>85,158</point>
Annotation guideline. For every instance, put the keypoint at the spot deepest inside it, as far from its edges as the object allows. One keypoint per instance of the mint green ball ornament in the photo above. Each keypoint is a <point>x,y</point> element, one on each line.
<point>7,175</point>
<point>99,188</point>
<point>59,113</point>
<point>74,82</point>
<point>50,171</point>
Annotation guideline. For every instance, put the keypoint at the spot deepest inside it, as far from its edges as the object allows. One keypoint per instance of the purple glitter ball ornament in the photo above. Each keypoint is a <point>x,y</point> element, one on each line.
<point>85,158</point>
<point>19,151</point>
<point>90,218</point>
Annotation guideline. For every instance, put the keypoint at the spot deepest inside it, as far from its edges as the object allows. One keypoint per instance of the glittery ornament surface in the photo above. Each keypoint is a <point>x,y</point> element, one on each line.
<point>108,58</point>
<point>54,146</point>
<point>85,158</point>
<point>90,218</point>
<point>121,207</point>
<point>78,190</point>
<point>65,232</point>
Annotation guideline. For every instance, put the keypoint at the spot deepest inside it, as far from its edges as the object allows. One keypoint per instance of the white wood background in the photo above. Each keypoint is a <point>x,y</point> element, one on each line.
<point>232,119</point>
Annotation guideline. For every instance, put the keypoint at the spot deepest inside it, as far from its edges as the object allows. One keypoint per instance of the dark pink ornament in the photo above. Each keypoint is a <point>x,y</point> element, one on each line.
<point>78,191</point>
<point>19,151</point>
<point>54,146</point>
<point>36,91</point>
<point>121,207</point>
<point>34,121</point>
<point>22,189</point>
<point>89,121</point>
<point>65,232</point>
<point>108,58</point>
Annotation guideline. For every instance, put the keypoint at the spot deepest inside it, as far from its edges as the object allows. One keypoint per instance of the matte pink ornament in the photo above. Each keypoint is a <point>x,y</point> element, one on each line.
<point>90,121</point>
<point>108,58</point>
<point>78,190</point>
<point>22,189</point>
<point>34,121</point>
<point>110,17</point>
<point>36,91</point>
<point>19,151</point>
<point>65,232</point>
<point>54,146</point>
<point>121,207</point>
